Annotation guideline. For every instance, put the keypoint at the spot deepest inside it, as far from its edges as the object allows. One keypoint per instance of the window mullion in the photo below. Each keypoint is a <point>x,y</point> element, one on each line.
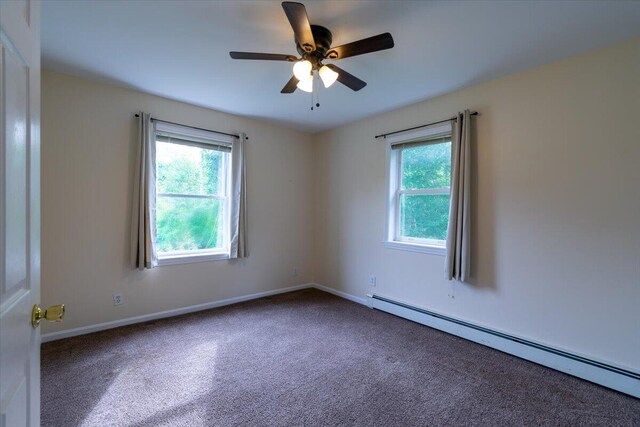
<point>190,196</point>
<point>426,191</point>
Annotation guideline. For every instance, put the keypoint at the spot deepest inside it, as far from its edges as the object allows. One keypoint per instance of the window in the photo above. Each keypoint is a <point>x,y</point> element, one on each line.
<point>192,195</point>
<point>419,190</point>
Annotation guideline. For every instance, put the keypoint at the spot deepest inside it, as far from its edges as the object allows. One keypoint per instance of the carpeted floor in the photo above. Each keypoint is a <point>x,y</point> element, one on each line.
<point>306,358</point>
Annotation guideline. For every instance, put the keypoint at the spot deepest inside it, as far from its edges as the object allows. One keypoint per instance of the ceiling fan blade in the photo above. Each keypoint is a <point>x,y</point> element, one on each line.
<point>360,47</point>
<point>290,87</point>
<point>297,15</point>
<point>349,80</point>
<point>263,56</point>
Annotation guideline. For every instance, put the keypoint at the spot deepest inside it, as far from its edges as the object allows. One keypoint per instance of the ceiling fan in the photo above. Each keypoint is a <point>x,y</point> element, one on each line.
<point>313,42</point>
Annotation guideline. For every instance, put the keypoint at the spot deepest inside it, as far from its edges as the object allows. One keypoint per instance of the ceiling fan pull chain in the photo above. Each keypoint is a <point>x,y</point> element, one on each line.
<point>315,86</point>
<point>318,95</point>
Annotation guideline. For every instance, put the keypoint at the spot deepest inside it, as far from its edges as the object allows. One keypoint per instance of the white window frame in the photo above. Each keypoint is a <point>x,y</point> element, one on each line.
<point>392,239</point>
<point>203,138</point>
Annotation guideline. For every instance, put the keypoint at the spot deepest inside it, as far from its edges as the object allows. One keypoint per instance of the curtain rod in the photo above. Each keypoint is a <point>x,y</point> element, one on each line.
<point>193,127</point>
<point>384,135</point>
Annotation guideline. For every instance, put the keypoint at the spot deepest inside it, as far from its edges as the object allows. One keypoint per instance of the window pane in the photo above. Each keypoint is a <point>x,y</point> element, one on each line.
<point>185,224</point>
<point>424,216</point>
<point>426,166</point>
<point>188,170</point>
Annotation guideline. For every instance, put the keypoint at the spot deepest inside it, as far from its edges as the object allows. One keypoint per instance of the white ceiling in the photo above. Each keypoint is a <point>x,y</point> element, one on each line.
<point>179,49</point>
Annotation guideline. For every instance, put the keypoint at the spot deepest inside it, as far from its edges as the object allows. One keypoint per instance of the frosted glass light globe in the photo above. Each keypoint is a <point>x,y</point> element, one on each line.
<point>328,76</point>
<point>302,69</point>
<point>306,83</point>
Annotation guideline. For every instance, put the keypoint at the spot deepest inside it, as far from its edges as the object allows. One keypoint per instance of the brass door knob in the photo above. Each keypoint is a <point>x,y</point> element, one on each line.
<point>54,313</point>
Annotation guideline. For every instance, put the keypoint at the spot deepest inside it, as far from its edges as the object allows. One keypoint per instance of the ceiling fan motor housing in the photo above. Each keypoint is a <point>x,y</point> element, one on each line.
<point>323,39</point>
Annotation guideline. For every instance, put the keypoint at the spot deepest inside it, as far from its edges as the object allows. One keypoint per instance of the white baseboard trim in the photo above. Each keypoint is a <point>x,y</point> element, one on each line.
<point>340,294</point>
<point>601,373</point>
<point>168,313</point>
<point>83,330</point>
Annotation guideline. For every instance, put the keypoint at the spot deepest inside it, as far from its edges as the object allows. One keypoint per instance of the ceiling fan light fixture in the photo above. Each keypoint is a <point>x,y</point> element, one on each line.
<point>306,83</point>
<point>328,76</point>
<point>302,69</point>
<point>314,44</point>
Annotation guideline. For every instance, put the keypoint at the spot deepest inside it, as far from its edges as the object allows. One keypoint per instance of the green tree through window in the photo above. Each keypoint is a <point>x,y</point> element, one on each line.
<point>423,196</point>
<point>191,197</point>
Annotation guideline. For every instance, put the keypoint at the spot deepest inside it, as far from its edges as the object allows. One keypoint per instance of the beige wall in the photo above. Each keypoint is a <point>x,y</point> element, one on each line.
<point>88,151</point>
<point>556,252</point>
<point>556,207</point>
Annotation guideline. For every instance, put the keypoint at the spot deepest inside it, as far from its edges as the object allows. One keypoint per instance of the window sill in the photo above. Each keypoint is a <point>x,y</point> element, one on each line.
<point>414,247</point>
<point>188,259</point>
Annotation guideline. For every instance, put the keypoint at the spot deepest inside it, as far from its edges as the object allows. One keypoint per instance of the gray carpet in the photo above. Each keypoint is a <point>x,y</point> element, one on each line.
<point>306,358</point>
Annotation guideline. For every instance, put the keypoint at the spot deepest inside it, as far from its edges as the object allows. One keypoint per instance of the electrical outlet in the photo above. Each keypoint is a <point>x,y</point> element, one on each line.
<point>294,273</point>
<point>117,299</point>
<point>372,281</point>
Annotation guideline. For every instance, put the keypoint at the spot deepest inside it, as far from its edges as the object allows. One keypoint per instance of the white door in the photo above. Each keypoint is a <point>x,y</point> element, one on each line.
<point>19,212</point>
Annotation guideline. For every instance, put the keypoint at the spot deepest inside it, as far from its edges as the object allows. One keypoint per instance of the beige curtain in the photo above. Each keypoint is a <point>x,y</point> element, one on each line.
<point>143,224</point>
<point>238,247</point>
<point>458,233</point>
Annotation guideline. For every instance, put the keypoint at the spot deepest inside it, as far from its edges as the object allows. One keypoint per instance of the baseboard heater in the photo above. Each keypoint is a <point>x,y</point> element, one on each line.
<point>604,374</point>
